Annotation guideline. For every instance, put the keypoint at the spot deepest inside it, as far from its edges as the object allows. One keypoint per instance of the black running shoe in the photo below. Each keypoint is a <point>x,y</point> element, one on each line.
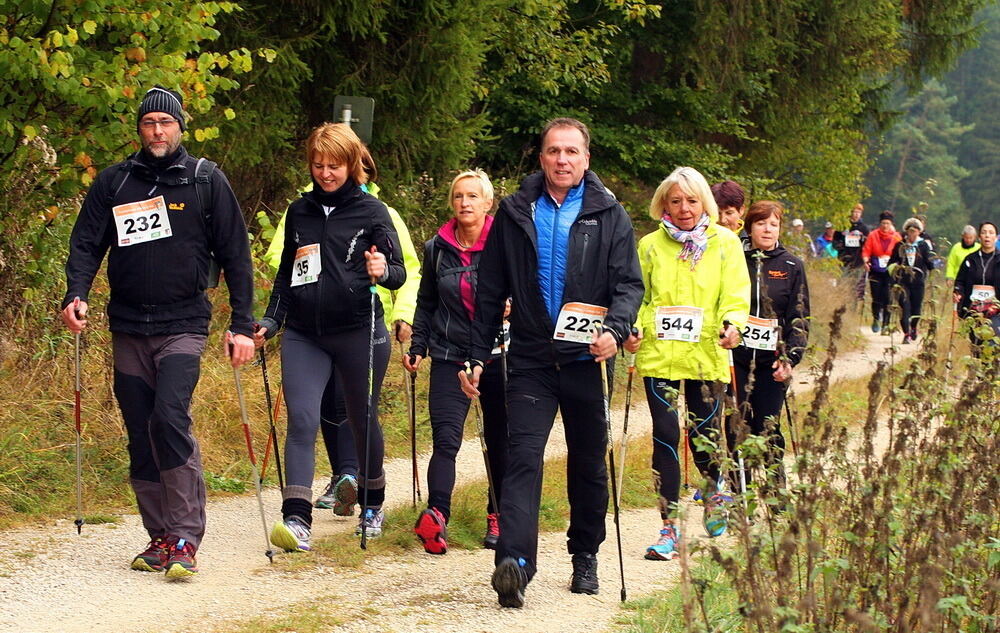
<point>509,581</point>
<point>584,574</point>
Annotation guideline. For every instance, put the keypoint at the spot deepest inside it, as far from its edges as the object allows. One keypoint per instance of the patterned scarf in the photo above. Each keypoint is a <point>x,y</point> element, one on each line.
<point>694,241</point>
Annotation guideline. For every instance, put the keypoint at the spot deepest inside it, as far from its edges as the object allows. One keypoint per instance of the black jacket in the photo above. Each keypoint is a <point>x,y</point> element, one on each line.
<point>158,287</point>
<point>850,256</point>
<point>441,324</point>
<point>602,268</point>
<point>785,297</point>
<point>977,269</point>
<point>340,298</point>
<point>922,263</point>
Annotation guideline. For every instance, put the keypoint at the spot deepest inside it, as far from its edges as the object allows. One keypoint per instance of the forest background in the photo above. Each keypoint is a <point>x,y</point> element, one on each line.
<point>819,103</point>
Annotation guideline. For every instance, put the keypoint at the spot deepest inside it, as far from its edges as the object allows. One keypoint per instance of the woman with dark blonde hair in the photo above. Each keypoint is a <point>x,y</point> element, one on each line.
<point>441,329</point>
<point>339,242</point>
<point>776,333</point>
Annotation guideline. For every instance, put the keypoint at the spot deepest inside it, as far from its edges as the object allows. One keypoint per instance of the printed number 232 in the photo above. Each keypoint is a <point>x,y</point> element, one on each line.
<point>142,224</point>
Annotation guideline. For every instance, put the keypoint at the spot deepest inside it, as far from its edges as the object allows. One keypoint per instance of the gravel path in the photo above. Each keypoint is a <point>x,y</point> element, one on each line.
<point>53,580</point>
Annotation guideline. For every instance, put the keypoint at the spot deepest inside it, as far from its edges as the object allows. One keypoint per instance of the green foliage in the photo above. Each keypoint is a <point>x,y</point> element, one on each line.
<point>919,171</point>
<point>889,522</point>
<point>72,76</point>
<point>977,87</point>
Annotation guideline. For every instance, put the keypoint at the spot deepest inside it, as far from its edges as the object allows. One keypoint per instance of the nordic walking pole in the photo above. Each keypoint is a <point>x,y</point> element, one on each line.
<point>481,431</point>
<point>623,443</point>
<point>791,427</point>
<point>502,343</point>
<point>412,401</point>
<point>369,407</point>
<point>682,417</point>
<point>273,437</point>
<point>611,462</point>
<point>739,453</point>
<point>253,460</point>
<point>76,419</point>
<point>267,447</point>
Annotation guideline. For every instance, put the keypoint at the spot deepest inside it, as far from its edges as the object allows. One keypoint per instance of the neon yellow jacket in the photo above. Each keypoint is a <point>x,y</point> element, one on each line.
<point>405,304</point>
<point>719,285</point>
<point>956,256</point>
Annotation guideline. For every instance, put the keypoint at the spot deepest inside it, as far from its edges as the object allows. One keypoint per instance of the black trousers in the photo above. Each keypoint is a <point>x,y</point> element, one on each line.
<point>760,399</point>
<point>880,284</point>
<point>911,300</point>
<point>449,407</point>
<point>338,437</point>
<point>533,397</point>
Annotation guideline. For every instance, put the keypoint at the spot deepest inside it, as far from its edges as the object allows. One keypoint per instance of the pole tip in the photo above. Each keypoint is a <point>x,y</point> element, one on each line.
<point>270,556</point>
<point>79,525</point>
<point>623,594</point>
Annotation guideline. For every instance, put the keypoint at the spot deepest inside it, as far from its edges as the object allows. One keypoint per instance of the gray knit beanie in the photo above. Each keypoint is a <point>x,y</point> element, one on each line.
<point>159,99</point>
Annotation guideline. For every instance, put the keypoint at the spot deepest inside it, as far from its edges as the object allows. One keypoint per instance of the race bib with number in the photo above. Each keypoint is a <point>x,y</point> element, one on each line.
<point>576,322</point>
<point>911,258</point>
<point>982,293</point>
<point>506,339</point>
<point>679,323</point>
<point>883,261</point>
<point>307,265</point>
<point>141,222</point>
<point>852,239</point>
<point>761,333</point>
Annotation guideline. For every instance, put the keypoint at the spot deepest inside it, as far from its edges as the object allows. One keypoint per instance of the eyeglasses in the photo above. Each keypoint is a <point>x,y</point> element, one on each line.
<point>166,124</point>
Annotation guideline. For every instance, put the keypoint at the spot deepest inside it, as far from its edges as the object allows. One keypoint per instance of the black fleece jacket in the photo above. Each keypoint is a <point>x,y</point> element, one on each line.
<point>978,269</point>
<point>922,265</point>
<point>602,268</point>
<point>158,287</point>
<point>441,326</point>
<point>785,297</point>
<point>340,299</point>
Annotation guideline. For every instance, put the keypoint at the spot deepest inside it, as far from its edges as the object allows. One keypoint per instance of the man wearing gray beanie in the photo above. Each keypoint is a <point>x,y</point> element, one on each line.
<point>162,216</point>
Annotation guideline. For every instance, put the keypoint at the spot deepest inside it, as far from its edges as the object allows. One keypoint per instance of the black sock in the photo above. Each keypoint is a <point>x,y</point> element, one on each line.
<point>297,507</point>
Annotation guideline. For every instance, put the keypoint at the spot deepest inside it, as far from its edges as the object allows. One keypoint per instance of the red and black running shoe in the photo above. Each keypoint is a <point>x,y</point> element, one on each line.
<point>432,530</point>
<point>154,558</point>
<point>181,563</point>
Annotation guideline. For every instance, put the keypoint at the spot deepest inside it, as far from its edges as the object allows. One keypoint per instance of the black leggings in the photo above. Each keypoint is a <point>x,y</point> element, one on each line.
<point>449,407</point>
<point>761,407</point>
<point>880,284</point>
<point>704,407</point>
<point>306,365</point>
<point>911,300</point>
<point>338,436</point>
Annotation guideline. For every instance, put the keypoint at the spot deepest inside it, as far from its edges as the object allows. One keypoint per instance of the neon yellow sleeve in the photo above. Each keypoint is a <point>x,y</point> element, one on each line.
<point>273,255</point>
<point>404,304</point>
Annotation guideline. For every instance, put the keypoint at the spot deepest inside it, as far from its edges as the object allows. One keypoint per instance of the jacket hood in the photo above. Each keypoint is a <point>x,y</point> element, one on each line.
<point>596,196</point>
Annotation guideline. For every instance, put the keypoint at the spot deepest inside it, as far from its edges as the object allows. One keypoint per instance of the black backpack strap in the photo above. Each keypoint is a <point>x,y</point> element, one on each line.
<point>203,171</point>
<point>118,182</point>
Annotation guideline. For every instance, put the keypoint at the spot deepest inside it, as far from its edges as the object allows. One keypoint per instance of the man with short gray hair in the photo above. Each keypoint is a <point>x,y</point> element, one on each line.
<point>968,244</point>
<point>563,249</point>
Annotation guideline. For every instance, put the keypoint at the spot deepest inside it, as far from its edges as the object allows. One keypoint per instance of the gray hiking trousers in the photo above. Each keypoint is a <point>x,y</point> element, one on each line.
<point>154,379</point>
